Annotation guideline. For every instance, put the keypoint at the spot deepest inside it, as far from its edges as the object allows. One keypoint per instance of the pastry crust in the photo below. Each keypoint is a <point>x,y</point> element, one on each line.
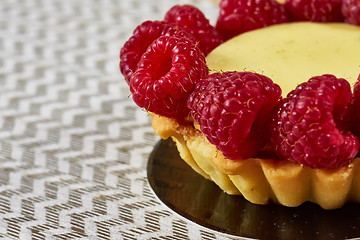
<point>262,180</point>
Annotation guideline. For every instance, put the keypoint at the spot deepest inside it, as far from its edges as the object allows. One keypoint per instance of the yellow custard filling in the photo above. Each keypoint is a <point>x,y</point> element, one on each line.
<point>291,53</point>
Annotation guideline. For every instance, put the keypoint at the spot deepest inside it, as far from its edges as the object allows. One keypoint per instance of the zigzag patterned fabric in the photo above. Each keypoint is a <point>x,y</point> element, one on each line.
<point>73,145</point>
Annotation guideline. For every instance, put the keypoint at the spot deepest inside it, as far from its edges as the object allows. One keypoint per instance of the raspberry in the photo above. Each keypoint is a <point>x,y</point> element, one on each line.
<point>351,11</point>
<point>353,115</point>
<point>233,110</point>
<point>238,16</point>
<point>166,75</point>
<point>309,128</point>
<point>314,10</point>
<point>142,37</point>
<point>193,20</point>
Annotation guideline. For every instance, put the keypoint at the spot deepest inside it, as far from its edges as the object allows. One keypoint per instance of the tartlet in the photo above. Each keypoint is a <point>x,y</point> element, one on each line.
<point>168,76</point>
<point>264,180</point>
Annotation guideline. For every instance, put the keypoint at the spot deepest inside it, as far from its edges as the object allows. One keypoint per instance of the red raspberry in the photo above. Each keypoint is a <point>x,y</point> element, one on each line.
<point>193,20</point>
<point>238,16</point>
<point>233,110</point>
<point>166,75</point>
<point>314,10</point>
<point>351,11</point>
<point>142,37</point>
<point>308,127</point>
<point>353,115</point>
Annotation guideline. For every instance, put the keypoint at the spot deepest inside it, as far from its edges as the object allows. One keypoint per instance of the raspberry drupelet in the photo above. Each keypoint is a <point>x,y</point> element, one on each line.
<point>309,127</point>
<point>233,110</point>
<point>351,11</point>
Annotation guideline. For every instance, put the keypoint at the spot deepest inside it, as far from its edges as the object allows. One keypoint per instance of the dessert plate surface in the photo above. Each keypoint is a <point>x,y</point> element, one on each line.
<point>201,201</point>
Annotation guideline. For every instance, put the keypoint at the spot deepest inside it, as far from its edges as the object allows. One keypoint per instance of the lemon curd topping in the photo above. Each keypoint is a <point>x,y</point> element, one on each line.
<point>291,53</point>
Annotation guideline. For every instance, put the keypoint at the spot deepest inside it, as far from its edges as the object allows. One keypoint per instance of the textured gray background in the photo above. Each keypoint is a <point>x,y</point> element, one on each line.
<point>74,147</point>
